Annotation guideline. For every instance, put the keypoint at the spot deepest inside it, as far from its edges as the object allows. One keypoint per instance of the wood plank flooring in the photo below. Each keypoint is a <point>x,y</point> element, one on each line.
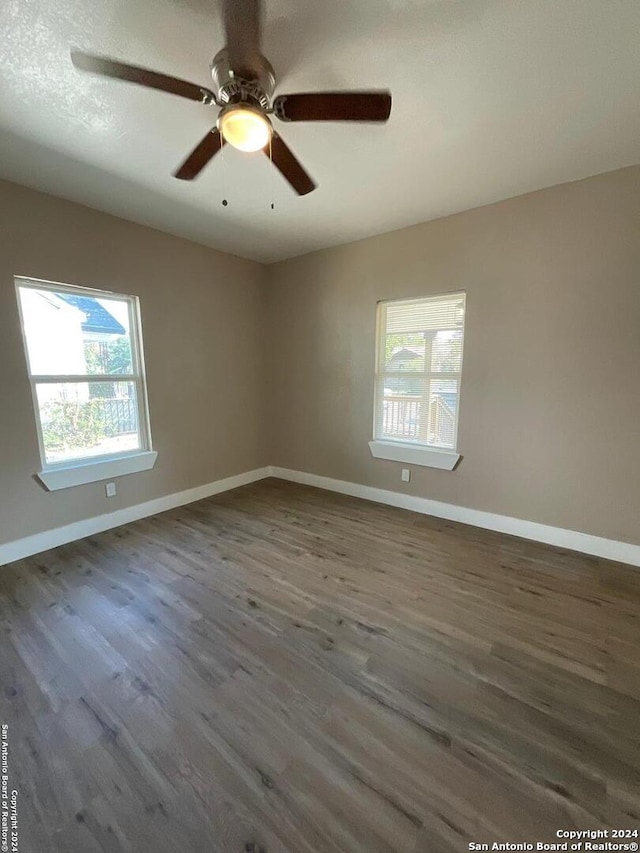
<point>284,669</point>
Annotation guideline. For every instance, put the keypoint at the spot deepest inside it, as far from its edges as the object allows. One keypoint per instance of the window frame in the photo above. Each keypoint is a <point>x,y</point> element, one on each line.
<point>412,450</point>
<point>75,471</point>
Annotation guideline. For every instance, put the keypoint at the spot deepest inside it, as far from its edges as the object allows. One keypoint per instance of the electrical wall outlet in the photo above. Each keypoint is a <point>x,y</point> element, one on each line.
<point>406,475</point>
<point>110,490</point>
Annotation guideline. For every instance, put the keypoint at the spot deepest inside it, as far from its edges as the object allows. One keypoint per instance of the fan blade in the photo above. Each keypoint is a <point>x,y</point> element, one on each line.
<point>243,29</point>
<point>200,156</point>
<point>143,76</point>
<point>284,160</point>
<point>334,106</point>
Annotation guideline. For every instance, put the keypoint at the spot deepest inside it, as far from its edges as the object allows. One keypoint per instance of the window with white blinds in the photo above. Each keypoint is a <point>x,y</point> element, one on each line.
<point>418,370</point>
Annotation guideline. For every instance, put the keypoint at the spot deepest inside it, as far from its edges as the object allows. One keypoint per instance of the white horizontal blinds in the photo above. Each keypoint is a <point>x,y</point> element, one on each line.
<point>420,348</point>
<point>435,313</point>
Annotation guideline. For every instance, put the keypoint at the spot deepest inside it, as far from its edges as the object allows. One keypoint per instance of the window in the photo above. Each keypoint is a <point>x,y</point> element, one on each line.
<point>84,353</point>
<point>418,369</point>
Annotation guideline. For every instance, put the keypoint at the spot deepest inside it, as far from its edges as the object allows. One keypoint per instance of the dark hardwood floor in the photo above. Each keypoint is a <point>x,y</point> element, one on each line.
<point>284,669</point>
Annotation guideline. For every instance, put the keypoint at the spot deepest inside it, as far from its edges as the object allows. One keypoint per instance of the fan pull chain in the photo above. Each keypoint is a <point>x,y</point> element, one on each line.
<point>224,177</point>
<point>273,207</point>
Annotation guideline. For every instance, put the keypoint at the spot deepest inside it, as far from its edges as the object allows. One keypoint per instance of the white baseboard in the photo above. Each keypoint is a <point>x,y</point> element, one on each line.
<point>21,548</point>
<point>609,549</point>
<point>572,540</point>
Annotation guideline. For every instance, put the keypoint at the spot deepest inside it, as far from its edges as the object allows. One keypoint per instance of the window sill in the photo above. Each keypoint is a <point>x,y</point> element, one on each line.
<point>414,454</point>
<point>93,471</point>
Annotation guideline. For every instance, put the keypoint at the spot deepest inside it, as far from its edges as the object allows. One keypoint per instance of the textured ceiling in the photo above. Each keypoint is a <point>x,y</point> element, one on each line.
<point>492,98</point>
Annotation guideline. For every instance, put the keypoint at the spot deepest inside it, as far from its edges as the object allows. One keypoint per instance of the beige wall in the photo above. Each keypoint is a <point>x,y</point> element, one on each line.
<point>202,316</point>
<point>550,408</point>
<point>550,405</point>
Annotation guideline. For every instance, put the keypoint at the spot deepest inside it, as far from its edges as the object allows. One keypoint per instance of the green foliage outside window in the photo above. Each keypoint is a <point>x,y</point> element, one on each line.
<point>68,425</point>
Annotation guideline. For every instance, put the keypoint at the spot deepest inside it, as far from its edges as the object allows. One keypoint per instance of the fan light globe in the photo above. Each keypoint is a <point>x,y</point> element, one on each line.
<point>245,128</point>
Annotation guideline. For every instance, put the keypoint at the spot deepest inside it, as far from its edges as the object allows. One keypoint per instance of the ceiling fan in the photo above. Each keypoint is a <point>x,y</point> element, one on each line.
<point>244,85</point>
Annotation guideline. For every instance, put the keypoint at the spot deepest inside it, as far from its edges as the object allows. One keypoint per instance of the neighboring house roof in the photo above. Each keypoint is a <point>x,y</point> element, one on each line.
<point>96,318</point>
<point>405,355</point>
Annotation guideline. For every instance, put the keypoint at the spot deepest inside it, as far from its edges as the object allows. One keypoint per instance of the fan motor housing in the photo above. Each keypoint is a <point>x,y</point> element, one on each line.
<point>230,88</point>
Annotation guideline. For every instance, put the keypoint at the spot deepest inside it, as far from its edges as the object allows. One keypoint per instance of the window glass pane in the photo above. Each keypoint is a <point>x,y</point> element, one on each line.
<point>443,413</point>
<point>424,352</point>
<point>84,419</point>
<point>405,352</point>
<point>402,409</point>
<point>68,333</point>
<point>420,410</point>
<point>446,352</point>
